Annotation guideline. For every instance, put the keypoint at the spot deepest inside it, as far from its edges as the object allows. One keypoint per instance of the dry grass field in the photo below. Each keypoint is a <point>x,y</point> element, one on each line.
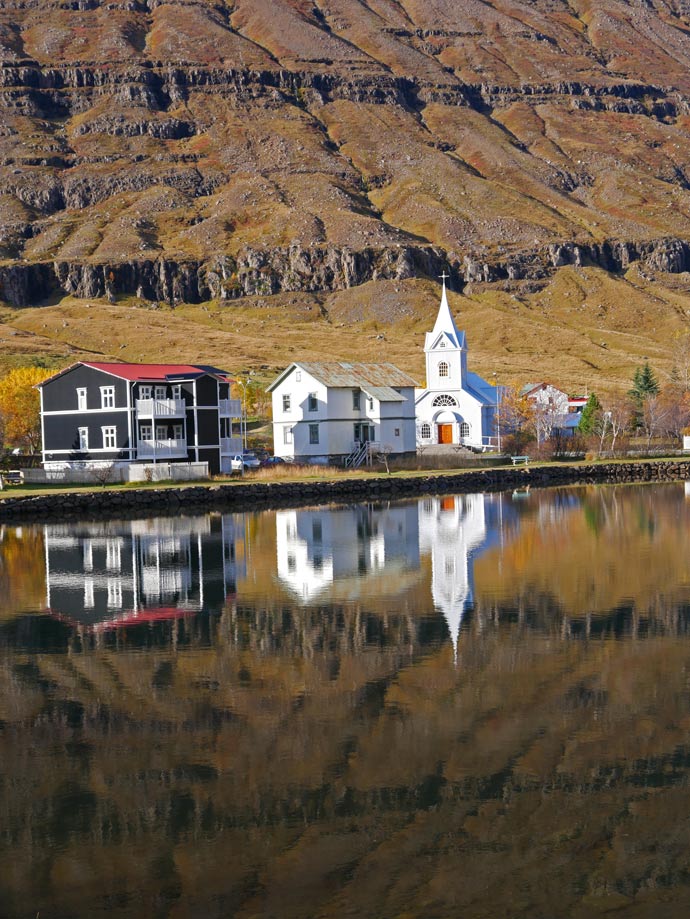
<point>585,329</point>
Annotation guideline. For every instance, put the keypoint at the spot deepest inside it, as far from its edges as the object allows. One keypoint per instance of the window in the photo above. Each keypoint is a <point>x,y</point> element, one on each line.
<point>177,391</point>
<point>145,392</point>
<point>146,432</point>
<point>444,399</point>
<point>107,397</point>
<point>287,435</point>
<point>313,433</point>
<point>177,432</point>
<point>161,392</point>
<point>114,593</point>
<point>81,399</point>
<point>113,554</point>
<point>464,429</point>
<point>161,432</point>
<point>313,402</point>
<point>371,404</point>
<point>109,437</point>
<point>425,431</point>
<point>396,432</point>
<point>286,402</point>
<point>298,376</point>
<point>291,562</point>
<point>443,369</point>
<point>355,399</point>
<point>83,438</point>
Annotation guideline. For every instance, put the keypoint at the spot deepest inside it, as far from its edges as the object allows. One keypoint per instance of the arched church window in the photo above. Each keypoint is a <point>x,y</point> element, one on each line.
<point>443,369</point>
<point>425,431</point>
<point>464,429</point>
<point>443,400</point>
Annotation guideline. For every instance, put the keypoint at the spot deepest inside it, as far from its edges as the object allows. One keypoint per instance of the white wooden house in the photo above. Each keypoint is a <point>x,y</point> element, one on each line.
<point>330,411</point>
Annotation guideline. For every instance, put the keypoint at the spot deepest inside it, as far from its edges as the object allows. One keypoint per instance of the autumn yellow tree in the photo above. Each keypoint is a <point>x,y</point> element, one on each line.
<point>20,406</point>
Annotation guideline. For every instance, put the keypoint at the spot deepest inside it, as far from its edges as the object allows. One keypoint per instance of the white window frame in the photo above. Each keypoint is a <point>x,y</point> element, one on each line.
<point>313,402</point>
<point>287,399</point>
<point>107,397</point>
<point>83,434</point>
<point>145,391</point>
<point>177,391</point>
<point>425,431</point>
<point>81,399</point>
<point>146,433</point>
<point>356,400</point>
<point>178,432</point>
<point>444,369</point>
<point>109,432</point>
<point>161,432</point>
<point>287,435</point>
<point>161,392</point>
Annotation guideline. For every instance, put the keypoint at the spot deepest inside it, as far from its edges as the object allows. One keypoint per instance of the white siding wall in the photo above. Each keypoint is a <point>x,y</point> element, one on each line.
<point>336,418</point>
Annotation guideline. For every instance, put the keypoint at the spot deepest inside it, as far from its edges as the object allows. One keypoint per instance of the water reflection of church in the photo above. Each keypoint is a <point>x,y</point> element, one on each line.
<point>319,549</point>
<point>138,570</point>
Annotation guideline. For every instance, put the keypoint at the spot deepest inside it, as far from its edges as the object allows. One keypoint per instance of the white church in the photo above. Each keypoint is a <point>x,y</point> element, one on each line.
<point>342,411</point>
<point>457,406</point>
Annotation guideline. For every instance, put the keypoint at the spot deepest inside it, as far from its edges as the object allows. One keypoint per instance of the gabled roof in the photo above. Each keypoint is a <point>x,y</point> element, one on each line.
<point>353,376</point>
<point>148,373</point>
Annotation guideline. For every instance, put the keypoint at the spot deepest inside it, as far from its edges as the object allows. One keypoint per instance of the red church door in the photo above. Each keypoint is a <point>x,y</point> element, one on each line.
<point>445,433</point>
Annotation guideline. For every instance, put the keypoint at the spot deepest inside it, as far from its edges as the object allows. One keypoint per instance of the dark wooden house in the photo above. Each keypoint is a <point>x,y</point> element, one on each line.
<point>96,413</point>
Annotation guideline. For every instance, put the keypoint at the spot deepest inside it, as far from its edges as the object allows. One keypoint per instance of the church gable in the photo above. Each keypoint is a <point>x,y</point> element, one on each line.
<point>442,342</point>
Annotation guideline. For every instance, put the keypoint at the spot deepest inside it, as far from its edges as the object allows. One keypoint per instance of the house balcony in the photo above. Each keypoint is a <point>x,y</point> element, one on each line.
<point>161,449</point>
<point>231,445</point>
<point>230,408</point>
<point>161,408</point>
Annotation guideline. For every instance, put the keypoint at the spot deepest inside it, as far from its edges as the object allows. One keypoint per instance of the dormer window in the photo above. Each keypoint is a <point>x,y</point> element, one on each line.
<point>442,345</point>
<point>443,369</point>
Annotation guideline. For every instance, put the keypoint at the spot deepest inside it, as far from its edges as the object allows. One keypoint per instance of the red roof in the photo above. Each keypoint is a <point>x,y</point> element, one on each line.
<point>149,372</point>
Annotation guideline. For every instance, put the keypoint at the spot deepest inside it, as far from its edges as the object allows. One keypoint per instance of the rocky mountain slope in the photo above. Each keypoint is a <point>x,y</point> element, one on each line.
<point>187,151</point>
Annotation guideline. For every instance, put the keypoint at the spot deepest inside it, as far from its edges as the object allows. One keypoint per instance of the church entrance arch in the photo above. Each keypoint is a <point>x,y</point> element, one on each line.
<point>447,424</point>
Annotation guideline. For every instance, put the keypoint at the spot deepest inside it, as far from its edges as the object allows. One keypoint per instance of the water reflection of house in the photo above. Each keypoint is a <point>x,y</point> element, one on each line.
<point>452,530</point>
<point>110,572</point>
<point>320,546</point>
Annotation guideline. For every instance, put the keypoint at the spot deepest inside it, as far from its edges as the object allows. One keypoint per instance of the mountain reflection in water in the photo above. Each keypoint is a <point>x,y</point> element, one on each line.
<point>463,706</point>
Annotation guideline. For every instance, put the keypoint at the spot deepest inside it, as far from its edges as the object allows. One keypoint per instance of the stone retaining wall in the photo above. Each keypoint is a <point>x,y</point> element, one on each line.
<point>249,496</point>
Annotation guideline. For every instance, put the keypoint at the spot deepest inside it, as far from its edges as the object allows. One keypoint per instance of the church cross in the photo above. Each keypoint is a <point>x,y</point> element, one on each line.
<point>444,276</point>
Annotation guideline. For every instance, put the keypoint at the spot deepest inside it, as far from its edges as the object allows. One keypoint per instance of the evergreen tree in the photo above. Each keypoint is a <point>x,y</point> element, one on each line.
<point>645,384</point>
<point>589,415</point>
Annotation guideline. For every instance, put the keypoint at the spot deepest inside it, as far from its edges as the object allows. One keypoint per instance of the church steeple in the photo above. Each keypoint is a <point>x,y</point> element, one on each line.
<point>446,349</point>
<point>445,322</point>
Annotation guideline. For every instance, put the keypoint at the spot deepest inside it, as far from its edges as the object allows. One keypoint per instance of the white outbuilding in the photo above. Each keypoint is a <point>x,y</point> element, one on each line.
<point>457,406</point>
<point>335,411</point>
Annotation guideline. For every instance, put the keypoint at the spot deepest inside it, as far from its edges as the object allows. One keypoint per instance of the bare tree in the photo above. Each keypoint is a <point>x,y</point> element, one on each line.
<point>103,474</point>
<point>620,413</point>
<point>383,455</point>
<point>653,416</point>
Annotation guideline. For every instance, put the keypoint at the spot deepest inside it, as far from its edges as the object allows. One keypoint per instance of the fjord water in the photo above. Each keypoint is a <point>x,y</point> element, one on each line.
<point>460,706</point>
